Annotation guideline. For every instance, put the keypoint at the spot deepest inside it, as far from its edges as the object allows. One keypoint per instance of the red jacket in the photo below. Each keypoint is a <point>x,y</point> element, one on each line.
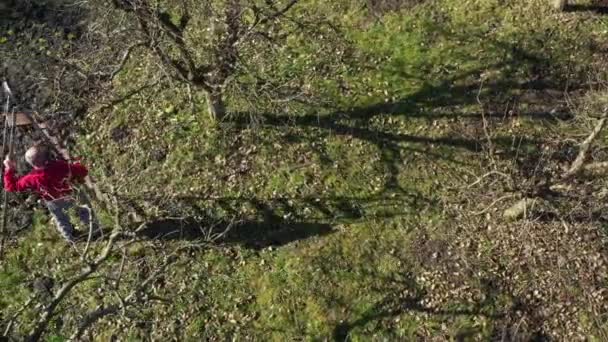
<point>51,182</point>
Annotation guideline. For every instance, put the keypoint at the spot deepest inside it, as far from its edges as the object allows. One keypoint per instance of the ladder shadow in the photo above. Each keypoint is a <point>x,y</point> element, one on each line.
<point>601,7</point>
<point>247,233</point>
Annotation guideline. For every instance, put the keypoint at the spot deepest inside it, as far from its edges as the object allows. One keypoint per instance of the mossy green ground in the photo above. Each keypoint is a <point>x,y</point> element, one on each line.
<point>350,203</point>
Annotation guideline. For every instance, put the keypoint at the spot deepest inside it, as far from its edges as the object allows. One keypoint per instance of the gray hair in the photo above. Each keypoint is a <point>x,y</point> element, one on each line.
<point>37,156</point>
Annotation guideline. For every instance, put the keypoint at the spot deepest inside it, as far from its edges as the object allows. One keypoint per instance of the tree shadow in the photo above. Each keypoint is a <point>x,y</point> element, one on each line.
<point>405,295</point>
<point>443,99</point>
<point>395,146</point>
<point>432,100</point>
<point>281,220</point>
<point>395,303</point>
<point>600,7</point>
<point>564,212</point>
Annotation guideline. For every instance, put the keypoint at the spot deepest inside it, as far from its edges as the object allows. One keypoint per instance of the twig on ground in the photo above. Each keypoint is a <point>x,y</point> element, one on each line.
<point>485,123</point>
<point>494,203</point>
<point>11,321</point>
<point>481,178</point>
<point>90,234</point>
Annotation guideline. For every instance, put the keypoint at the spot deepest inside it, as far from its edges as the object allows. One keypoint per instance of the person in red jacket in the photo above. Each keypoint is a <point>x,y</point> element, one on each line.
<point>52,180</point>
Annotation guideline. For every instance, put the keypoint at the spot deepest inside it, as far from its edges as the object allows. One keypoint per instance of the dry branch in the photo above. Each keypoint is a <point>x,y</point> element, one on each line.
<point>125,97</point>
<point>16,315</point>
<point>578,163</point>
<point>596,168</point>
<point>132,299</point>
<point>50,310</point>
<point>520,209</point>
<point>125,58</point>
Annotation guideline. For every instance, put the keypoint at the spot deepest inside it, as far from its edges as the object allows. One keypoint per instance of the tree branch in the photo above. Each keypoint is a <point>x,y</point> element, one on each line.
<point>125,97</point>
<point>49,312</point>
<point>259,20</point>
<point>125,58</point>
<point>91,318</point>
<point>11,321</point>
<point>577,165</point>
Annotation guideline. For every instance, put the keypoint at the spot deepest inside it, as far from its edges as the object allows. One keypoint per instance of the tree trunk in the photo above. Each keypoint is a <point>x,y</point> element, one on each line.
<point>559,4</point>
<point>215,105</point>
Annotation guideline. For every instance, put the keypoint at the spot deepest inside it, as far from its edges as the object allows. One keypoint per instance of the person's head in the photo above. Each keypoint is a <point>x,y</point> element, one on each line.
<point>37,156</point>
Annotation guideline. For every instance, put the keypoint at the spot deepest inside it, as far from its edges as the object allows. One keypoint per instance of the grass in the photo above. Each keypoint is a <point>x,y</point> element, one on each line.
<point>384,169</point>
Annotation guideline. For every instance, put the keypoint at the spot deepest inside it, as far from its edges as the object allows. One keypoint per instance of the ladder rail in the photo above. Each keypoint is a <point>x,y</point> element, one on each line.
<point>3,230</point>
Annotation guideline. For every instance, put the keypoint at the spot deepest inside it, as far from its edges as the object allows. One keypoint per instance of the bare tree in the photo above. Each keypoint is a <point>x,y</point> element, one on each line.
<point>207,45</point>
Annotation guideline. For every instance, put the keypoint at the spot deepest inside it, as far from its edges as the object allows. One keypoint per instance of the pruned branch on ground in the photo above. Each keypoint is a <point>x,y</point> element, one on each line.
<point>578,163</point>
<point>521,207</point>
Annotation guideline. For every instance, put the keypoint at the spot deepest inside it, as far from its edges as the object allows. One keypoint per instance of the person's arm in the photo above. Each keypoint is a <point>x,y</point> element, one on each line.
<point>11,183</point>
<point>78,171</point>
